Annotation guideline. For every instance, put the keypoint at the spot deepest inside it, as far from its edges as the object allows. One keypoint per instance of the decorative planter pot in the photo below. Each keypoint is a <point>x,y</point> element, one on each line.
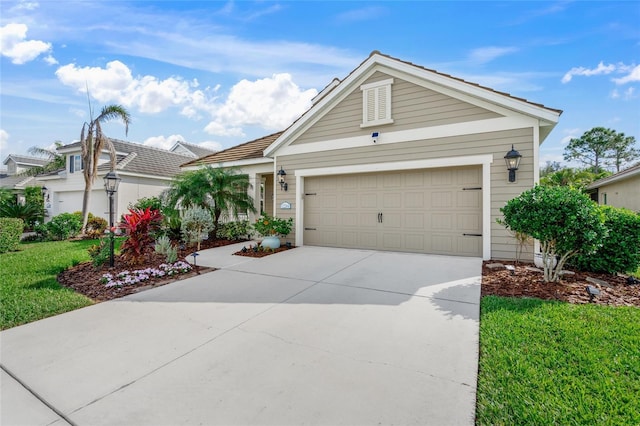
<point>273,242</point>
<point>537,260</point>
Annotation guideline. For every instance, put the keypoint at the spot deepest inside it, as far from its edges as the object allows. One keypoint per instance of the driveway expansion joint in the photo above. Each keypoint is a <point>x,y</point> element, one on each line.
<point>38,396</point>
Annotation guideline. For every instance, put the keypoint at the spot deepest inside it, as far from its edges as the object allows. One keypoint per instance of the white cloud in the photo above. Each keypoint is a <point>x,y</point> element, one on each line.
<point>115,83</point>
<point>162,141</point>
<point>271,103</point>
<point>167,142</point>
<point>634,75</point>
<point>13,44</point>
<point>362,14</point>
<point>483,55</point>
<point>51,60</point>
<point>25,5</point>
<point>628,94</point>
<point>602,69</point>
<point>4,139</point>
<point>213,145</point>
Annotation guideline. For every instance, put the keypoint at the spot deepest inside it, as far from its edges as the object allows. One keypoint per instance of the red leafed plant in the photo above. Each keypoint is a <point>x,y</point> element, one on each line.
<point>138,224</point>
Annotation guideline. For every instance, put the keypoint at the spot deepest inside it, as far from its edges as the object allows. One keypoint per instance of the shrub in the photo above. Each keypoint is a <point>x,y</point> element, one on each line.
<point>95,227</point>
<point>565,221</point>
<point>10,233</point>
<point>620,251</point>
<point>196,222</point>
<point>267,226</point>
<point>138,226</point>
<point>29,213</point>
<point>236,230</point>
<point>100,253</point>
<point>164,247</point>
<point>63,226</point>
<point>154,203</point>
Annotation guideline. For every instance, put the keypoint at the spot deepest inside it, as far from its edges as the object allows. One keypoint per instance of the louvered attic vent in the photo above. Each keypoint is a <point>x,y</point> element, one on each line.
<point>376,103</point>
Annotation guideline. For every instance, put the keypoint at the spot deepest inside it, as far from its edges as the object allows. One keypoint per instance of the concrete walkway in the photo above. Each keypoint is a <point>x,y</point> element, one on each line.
<point>314,336</point>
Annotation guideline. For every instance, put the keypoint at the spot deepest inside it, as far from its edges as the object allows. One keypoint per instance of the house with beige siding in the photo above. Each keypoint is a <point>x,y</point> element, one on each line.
<point>619,190</point>
<point>398,157</point>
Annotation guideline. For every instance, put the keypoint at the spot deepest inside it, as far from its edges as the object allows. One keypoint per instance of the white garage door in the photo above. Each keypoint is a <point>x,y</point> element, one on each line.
<point>427,211</point>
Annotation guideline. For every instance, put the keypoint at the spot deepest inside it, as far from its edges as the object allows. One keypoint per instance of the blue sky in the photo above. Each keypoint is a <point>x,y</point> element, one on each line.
<point>221,73</point>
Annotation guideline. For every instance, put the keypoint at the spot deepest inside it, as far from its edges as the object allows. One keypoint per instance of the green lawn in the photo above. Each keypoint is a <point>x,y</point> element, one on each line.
<point>544,363</point>
<point>29,290</point>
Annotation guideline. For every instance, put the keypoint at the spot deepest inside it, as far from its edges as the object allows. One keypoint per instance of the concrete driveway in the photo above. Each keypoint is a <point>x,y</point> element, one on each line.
<point>314,336</point>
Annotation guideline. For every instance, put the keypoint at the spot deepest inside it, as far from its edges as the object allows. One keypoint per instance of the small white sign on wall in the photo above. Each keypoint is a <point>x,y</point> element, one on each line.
<point>285,206</point>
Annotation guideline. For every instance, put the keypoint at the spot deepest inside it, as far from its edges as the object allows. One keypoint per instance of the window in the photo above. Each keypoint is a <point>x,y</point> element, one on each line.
<point>75,163</point>
<point>604,198</point>
<point>376,103</point>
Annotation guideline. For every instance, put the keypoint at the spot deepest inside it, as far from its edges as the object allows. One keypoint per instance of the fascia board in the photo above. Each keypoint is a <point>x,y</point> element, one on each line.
<point>237,163</point>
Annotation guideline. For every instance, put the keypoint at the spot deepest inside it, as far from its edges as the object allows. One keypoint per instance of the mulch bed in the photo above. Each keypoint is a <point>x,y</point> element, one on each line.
<point>571,288</point>
<point>261,253</point>
<point>85,278</point>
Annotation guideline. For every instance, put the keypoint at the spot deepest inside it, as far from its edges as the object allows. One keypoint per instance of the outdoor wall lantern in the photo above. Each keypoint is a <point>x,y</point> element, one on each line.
<point>281,175</point>
<point>44,191</point>
<point>111,182</point>
<point>513,161</point>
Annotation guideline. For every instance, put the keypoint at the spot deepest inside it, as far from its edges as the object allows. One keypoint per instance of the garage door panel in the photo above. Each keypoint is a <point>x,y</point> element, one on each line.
<point>415,242</point>
<point>469,222</point>
<point>369,200</point>
<point>391,200</point>
<point>368,240</point>
<point>469,199</point>
<point>441,199</point>
<point>441,221</point>
<point>469,245</point>
<point>414,179</point>
<point>424,211</point>
<point>392,181</point>
<point>414,200</point>
<point>349,201</point>
<point>414,221</point>
<point>391,241</point>
<point>442,243</point>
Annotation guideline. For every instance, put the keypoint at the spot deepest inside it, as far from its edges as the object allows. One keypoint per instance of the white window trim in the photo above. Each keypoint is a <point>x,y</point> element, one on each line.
<point>386,84</point>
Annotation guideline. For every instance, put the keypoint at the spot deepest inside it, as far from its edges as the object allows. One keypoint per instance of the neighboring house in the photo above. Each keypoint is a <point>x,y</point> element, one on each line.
<point>145,172</point>
<point>17,164</point>
<point>619,190</point>
<point>14,180</point>
<point>191,150</point>
<point>402,158</point>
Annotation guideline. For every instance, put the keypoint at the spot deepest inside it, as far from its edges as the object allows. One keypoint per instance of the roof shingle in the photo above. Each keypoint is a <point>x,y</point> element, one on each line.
<point>244,151</point>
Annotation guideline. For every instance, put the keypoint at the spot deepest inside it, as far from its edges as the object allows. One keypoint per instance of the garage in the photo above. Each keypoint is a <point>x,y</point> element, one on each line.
<point>437,211</point>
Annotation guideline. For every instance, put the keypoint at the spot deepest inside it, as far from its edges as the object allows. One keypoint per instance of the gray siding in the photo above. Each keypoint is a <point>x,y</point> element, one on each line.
<point>495,143</point>
<point>412,107</point>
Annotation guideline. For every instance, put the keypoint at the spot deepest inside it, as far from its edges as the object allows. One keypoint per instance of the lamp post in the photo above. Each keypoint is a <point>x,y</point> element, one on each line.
<point>111,182</point>
<point>513,162</point>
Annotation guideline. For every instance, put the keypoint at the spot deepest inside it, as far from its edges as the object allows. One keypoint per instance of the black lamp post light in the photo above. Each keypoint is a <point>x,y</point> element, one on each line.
<point>513,162</point>
<point>281,174</point>
<point>111,182</point>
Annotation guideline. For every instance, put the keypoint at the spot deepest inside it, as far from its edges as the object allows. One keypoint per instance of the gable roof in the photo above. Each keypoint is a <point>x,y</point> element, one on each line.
<point>623,175</point>
<point>197,150</point>
<point>26,160</point>
<point>17,182</point>
<point>246,151</point>
<point>136,158</point>
<point>547,116</point>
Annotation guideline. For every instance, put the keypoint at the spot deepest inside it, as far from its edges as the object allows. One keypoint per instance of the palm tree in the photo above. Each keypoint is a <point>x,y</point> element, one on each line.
<point>56,161</point>
<point>93,141</point>
<point>221,191</point>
